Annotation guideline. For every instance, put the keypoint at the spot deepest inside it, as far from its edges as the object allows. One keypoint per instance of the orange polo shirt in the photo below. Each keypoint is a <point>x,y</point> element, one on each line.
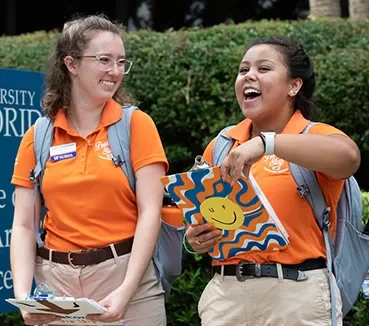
<point>274,178</point>
<point>89,200</point>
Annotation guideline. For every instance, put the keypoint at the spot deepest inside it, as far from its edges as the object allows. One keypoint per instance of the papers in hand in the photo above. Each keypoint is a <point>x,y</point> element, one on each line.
<point>71,311</point>
<point>243,213</point>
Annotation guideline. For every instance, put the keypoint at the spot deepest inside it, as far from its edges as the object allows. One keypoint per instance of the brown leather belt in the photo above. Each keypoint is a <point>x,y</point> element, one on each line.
<point>82,258</point>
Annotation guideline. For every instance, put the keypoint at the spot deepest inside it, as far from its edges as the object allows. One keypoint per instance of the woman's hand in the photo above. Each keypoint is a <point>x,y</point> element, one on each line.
<point>38,319</point>
<point>241,158</point>
<point>202,237</point>
<point>116,305</point>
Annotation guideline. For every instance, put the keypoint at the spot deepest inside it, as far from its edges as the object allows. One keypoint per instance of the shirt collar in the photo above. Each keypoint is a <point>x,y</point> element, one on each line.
<point>242,131</point>
<point>112,113</point>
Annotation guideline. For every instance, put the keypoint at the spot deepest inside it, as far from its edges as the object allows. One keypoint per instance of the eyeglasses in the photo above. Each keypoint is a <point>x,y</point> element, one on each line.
<point>106,63</point>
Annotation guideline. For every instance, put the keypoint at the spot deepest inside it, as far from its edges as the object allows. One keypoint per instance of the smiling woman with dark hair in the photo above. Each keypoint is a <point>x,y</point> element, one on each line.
<point>274,89</point>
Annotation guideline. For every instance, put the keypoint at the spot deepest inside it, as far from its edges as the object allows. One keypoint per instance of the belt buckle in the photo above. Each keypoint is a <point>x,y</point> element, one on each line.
<point>70,252</point>
<point>239,269</point>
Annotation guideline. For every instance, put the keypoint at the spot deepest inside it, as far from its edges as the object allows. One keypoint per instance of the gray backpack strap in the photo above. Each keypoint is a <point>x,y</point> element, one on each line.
<point>43,137</point>
<point>308,187</point>
<point>222,146</point>
<point>119,136</point>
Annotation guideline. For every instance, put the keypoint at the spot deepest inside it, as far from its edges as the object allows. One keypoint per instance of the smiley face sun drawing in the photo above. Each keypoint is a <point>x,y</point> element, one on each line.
<point>204,197</point>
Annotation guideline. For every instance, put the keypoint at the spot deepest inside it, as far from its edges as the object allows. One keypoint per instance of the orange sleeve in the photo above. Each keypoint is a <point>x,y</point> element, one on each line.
<point>325,129</point>
<point>208,153</point>
<point>25,161</point>
<point>146,145</point>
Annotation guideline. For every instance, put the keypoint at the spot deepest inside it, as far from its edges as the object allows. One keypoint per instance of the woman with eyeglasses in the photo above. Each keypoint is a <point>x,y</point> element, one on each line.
<point>91,210</point>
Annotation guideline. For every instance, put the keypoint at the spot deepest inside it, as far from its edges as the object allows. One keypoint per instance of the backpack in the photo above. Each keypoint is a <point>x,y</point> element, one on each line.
<point>168,252</point>
<point>348,251</point>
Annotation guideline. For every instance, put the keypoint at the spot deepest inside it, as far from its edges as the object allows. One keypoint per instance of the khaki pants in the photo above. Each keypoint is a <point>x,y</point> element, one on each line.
<point>97,281</point>
<point>268,301</point>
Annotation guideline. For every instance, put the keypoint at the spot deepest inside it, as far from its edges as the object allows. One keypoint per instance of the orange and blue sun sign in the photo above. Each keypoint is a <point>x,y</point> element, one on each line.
<point>204,197</point>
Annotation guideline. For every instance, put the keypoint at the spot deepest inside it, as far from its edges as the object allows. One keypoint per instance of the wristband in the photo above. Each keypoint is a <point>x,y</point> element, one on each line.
<point>263,140</point>
<point>269,142</point>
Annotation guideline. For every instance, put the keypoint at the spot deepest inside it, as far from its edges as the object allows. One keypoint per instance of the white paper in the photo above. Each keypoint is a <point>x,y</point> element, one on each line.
<point>71,311</point>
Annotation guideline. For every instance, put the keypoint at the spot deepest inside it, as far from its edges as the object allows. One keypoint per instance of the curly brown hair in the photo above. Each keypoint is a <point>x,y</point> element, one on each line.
<point>73,40</point>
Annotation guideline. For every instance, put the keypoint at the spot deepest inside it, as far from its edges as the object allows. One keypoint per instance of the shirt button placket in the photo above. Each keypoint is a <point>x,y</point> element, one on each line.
<point>84,156</point>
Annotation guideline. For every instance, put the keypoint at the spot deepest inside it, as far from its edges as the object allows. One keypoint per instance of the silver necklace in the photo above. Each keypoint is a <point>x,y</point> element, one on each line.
<point>85,137</point>
<point>76,129</point>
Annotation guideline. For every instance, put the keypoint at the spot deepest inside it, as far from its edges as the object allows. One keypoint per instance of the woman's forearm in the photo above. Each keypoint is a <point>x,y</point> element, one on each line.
<point>334,155</point>
<point>22,259</point>
<point>146,235</point>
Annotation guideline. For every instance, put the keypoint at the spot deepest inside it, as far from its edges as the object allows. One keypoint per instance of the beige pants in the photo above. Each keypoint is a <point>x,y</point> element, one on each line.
<point>97,281</point>
<point>267,301</point>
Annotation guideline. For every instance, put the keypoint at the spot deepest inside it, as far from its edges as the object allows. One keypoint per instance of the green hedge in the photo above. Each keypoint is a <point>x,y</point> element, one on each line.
<point>185,81</point>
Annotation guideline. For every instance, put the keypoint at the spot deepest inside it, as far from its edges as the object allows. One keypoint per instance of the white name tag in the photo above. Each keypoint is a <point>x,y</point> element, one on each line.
<point>63,152</point>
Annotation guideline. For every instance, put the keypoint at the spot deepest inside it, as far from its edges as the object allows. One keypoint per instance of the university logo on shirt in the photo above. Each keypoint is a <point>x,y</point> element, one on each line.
<point>104,150</point>
<point>274,164</point>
